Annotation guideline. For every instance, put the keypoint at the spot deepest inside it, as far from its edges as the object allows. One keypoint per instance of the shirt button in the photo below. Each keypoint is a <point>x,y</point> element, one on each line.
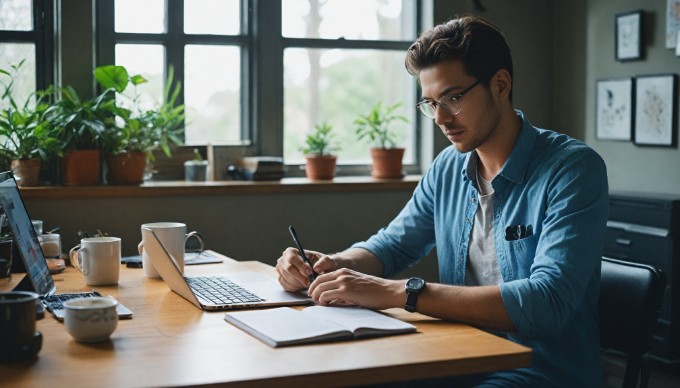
<point>467,220</point>
<point>473,199</point>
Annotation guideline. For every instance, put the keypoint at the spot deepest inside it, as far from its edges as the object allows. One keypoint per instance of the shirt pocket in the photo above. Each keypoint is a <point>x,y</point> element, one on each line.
<point>520,256</point>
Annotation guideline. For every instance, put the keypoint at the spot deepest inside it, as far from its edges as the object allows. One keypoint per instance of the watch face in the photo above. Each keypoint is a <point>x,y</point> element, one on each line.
<point>415,284</point>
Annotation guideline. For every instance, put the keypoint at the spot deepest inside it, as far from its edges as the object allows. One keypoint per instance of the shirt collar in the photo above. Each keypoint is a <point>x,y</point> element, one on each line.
<point>515,167</point>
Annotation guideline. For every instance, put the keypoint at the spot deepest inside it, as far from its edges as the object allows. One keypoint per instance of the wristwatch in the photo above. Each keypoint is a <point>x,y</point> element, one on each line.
<point>414,286</point>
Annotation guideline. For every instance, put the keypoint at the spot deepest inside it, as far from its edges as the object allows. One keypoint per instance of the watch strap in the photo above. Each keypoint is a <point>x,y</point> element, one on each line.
<point>413,292</point>
<point>411,300</point>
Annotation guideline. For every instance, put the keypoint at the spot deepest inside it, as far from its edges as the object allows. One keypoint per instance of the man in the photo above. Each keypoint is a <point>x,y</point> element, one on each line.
<point>517,215</point>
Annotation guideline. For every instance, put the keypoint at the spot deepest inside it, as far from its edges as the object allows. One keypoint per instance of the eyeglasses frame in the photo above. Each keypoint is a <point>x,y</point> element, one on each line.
<point>437,103</point>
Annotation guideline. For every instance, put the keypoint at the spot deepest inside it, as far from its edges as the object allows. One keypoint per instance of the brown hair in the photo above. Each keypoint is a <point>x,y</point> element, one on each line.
<point>477,42</point>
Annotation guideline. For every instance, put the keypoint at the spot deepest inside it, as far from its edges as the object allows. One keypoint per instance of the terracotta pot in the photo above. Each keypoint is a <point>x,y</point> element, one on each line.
<point>126,168</point>
<point>26,171</point>
<point>387,162</point>
<point>80,168</point>
<point>320,167</point>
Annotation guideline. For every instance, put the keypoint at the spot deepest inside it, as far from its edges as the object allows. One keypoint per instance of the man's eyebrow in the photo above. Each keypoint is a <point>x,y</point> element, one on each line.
<point>445,92</point>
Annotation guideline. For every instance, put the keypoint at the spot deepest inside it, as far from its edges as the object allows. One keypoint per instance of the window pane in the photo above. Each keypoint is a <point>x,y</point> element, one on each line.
<point>212,94</point>
<point>146,16</point>
<point>335,86</point>
<point>217,17</point>
<point>148,61</point>
<point>17,15</point>
<point>11,54</point>
<point>351,19</point>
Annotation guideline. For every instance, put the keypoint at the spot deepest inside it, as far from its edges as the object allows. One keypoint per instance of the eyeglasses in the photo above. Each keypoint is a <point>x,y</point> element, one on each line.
<point>450,103</point>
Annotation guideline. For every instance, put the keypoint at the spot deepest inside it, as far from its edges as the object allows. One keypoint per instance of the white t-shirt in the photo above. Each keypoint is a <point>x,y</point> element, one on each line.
<point>482,265</point>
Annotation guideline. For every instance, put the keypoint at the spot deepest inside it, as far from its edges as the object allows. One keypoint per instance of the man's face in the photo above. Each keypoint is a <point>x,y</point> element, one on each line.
<point>479,115</point>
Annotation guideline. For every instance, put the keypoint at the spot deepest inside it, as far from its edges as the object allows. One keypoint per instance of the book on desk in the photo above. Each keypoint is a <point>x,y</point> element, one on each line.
<point>285,326</point>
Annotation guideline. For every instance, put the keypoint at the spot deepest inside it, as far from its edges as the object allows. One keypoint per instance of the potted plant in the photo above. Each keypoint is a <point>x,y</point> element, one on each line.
<point>129,140</point>
<point>81,125</point>
<point>318,153</point>
<point>377,127</point>
<point>196,170</point>
<point>26,137</point>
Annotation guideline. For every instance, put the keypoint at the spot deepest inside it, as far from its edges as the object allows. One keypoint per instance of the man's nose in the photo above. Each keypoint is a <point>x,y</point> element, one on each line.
<point>441,115</point>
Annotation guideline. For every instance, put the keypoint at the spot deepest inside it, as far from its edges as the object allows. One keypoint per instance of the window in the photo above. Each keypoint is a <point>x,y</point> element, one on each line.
<point>26,30</point>
<point>263,73</point>
<point>200,39</point>
<point>340,58</point>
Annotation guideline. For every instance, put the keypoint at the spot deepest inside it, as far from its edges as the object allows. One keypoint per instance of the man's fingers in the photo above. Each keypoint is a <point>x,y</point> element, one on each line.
<point>288,286</point>
<point>325,264</point>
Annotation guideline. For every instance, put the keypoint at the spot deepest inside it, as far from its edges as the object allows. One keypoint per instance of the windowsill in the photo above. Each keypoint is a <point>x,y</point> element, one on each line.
<point>175,188</point>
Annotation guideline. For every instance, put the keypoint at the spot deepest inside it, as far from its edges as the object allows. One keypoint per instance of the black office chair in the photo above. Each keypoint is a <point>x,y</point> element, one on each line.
<point>630,300</point>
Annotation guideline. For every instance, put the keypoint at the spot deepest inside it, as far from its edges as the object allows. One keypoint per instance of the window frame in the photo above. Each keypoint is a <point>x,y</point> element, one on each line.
<point>42,36</point>
<point>262,111</point>
<point>174,40</point>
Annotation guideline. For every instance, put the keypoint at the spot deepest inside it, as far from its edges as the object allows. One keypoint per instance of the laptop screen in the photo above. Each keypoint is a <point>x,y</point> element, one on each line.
<point>24,235</point>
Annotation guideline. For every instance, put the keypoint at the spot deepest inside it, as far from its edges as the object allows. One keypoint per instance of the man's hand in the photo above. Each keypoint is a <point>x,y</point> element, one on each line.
<point>348,287</point>
<point>294,273</point>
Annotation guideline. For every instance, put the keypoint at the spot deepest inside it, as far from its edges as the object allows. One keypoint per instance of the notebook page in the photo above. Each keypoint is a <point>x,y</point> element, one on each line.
<point>353,318</point>
<point>283,325</point>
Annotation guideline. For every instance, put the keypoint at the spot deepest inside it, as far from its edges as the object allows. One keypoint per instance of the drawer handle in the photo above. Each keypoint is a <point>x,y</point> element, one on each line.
<point>623,241</point>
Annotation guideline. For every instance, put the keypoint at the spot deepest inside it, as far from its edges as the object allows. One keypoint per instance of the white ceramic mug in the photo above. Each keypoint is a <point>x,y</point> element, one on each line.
<point>91,319</point>
<point>98,258</point>
<point>173,236</point>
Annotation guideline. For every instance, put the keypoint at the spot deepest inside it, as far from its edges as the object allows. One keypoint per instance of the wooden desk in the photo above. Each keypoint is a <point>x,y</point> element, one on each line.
<point>169,342</point>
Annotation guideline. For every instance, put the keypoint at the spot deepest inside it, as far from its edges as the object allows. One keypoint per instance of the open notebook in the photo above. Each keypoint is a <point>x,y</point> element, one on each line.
<point>285,326</point>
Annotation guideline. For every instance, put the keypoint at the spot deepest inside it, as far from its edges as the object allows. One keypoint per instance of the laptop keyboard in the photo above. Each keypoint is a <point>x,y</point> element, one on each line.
<point>55,302</point>
<point>220,290</point>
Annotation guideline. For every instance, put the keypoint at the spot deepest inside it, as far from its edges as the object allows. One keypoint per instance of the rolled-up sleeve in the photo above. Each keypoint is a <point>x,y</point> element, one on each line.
<point>410,235</point>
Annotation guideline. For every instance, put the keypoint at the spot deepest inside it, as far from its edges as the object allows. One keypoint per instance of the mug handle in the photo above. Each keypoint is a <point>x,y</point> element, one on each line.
<point>197,236</point>
<point>77,261</point>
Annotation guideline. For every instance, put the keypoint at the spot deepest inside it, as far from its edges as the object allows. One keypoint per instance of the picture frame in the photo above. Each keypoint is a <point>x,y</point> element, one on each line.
<point>672,23</point>
<point>655,112</point>
<point>629,35</point>
<point>614,110</point>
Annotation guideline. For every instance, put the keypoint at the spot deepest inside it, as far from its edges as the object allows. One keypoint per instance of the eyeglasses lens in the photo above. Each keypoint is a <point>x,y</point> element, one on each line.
<point>427,109</point>
<point>449,104</point>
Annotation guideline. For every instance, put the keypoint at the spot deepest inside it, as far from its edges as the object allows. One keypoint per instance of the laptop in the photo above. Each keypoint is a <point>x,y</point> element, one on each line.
<point>38,278</point>
<point>236,291</point>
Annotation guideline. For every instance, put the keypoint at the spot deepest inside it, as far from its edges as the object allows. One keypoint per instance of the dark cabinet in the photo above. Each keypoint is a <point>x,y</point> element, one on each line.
<point>645,228</point>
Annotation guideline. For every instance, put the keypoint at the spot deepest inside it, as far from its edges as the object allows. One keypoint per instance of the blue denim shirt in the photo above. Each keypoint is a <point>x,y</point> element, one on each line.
<point>551,279</point>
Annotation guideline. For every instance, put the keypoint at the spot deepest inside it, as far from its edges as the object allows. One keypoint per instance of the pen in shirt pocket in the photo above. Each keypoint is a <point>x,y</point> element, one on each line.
<point>518,232</point>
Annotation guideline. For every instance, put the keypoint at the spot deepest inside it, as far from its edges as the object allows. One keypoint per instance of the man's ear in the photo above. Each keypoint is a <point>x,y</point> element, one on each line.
<point>502,83</point>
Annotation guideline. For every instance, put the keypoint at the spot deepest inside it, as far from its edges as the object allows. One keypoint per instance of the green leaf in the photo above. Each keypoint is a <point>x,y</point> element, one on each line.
<point>137,79</point>
<point>112,76</point>
<point>69,93</point>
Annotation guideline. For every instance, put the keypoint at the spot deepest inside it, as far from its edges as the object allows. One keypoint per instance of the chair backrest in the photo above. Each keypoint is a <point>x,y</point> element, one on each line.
<point>630,300</point>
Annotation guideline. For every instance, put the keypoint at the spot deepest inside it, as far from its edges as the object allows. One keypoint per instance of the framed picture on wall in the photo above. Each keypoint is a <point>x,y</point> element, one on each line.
<point>614,109</point>
<point>655,113</point>
<point>629,35</point>
<point>672,23</point>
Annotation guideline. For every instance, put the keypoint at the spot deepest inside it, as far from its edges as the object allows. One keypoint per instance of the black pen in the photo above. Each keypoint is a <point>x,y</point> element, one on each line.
<point>302,252</point>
